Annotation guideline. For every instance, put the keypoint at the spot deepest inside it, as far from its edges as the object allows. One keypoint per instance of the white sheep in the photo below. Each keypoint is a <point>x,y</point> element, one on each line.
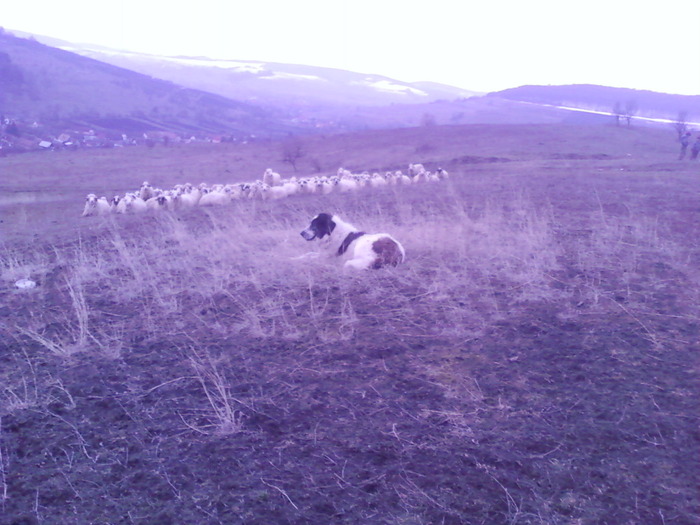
<point>146,192</point>
<point>277,192</point>
<point>95,206</point>
<point>158,203</point>
<point>323,186</point>
<point>114,203</point>
<point>377,181</point>
<point>346,185</point>
<point>291,186</point>
<point>415,169</point>
<point>272,178</point>
<point>215,198</point>
<point>343,173</point>
<point>402,178</point>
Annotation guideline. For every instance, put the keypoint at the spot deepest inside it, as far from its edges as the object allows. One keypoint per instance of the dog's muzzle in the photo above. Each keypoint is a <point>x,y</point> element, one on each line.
<point>308,234</point>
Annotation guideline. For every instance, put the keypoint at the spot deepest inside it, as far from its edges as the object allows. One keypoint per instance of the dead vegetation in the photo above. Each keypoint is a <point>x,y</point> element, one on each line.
<point>532,362</point>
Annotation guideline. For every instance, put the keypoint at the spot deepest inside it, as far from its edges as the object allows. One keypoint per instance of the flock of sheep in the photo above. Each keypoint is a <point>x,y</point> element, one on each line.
<point>272,186</point>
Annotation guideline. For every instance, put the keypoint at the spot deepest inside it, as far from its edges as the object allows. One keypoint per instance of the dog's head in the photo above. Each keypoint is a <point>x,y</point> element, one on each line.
<point>320,226</point>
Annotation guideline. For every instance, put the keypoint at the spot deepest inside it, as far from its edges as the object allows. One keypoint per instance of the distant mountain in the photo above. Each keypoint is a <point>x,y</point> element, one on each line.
<point>287,86</point>
<point>51,85</point>
<point>602,98</point>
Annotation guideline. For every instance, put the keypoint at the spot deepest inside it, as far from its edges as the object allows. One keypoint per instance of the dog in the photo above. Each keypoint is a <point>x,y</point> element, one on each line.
<point>361,250</point>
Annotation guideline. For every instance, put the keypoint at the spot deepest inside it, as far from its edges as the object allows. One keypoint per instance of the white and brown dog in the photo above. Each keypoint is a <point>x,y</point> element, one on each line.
<point>361,250</point>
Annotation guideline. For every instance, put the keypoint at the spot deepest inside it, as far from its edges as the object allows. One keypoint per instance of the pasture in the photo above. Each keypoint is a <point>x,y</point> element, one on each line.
<point>534,361</point>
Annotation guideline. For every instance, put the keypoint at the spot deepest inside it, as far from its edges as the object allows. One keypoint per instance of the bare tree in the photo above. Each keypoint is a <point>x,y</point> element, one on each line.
<point>618,112</point>
<point>631,109</point>
<point>681,123</point>
<point>428,119</point>
<point>292,151</point>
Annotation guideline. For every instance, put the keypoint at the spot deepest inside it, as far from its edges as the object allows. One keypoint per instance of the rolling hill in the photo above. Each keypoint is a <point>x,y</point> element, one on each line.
<point>604,98</point>
<point>65,84</point>
<point>60,88</point>
<point>268,83</point>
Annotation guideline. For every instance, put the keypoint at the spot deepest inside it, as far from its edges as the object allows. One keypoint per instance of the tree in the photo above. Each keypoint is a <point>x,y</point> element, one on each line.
<point>681,123</point>
<point>630,111</point>
<point>427,120</point>
<point>618,112</point>
<point>292,151</point>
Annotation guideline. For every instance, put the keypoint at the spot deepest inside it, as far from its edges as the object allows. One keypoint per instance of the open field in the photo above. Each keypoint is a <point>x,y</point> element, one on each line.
<point>533,361</point>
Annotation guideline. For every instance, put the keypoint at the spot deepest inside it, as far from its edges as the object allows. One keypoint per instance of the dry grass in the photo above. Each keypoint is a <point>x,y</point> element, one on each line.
<point>525,365</point>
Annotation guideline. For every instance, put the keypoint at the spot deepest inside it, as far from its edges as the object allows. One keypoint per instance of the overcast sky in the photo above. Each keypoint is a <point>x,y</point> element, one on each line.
<point>484,45</point>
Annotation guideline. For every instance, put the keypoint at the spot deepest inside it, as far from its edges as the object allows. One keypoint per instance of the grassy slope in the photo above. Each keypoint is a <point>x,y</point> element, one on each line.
<point>55,86</point>
<point>528,364</point>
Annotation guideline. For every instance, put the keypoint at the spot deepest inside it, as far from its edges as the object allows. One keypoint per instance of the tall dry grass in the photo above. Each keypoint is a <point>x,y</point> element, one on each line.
<point>237,271</point>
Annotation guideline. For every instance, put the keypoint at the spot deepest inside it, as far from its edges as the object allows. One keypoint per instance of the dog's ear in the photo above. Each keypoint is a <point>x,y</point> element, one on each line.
<point>323,225</point>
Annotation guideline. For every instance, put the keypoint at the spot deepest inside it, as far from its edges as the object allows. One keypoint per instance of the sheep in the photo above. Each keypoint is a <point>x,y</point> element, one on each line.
<point>146,192</point>
<point>277,192</point>
<point>123,204</point>
<point>131,203</point>
<point>136,204</point>
<point>215,198</point>
<point>346,185</point>
<point>259,190</point>
<point>415,169</point>
<point>272,178</point>
<point>291,187</point>
<point>402,178</point>
<point>323,186</point>
<point>95,206</point>
<point>442,174</point>
<point>421,176</point>
<point>188,199</point>
<point>377,181</point>
<point>343,173</point>
<point>431,177</point>
<point>160,202</point>
<point>114,203</point>
<point>305,185</point>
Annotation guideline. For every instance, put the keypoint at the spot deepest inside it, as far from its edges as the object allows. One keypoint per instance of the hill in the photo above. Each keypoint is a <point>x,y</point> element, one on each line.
<point>289,86</point>
<point>59,88</point>
<point>604,98</point>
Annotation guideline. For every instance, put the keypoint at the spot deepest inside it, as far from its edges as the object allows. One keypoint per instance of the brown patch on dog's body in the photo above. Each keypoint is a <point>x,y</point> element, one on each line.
<point>388,252</point>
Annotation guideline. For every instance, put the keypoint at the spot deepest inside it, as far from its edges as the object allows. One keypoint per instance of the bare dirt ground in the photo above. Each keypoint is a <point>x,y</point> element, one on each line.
<point>534,360</point>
